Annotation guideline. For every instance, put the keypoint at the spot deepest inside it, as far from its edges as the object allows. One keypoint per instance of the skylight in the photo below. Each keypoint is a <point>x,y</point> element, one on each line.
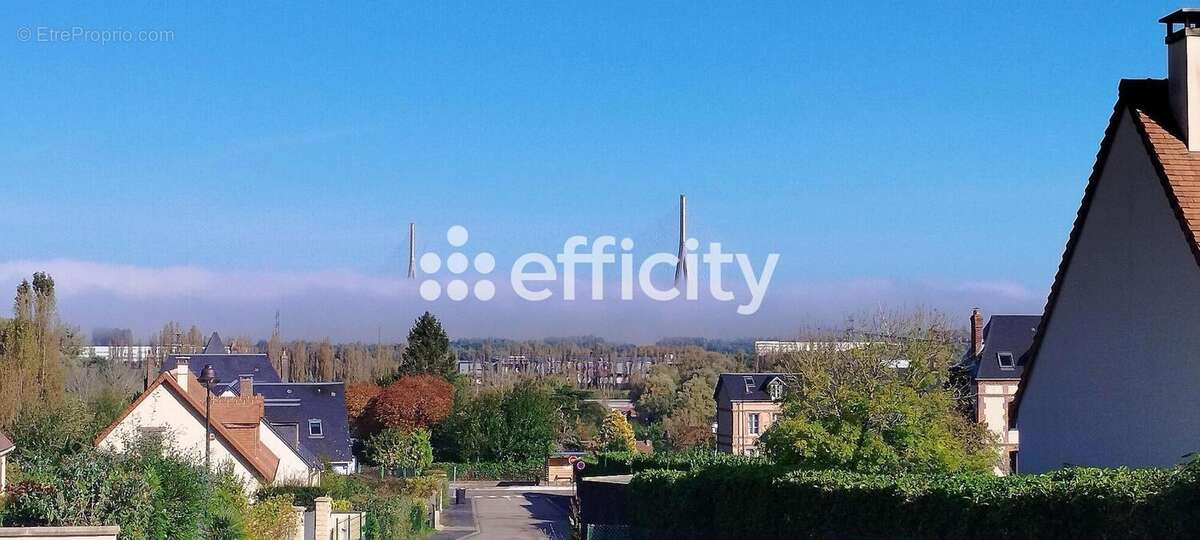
<point>749,384</point>
<point>1006,360</point>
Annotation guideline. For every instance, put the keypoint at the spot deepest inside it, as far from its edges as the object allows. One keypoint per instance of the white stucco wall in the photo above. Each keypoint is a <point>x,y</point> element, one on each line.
<point>292,469</point>
<point>1117,377</point>
<point>186,431</point>
<point>993,398</point>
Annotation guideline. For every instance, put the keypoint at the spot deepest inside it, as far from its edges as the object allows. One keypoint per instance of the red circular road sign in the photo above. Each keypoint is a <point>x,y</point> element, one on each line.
<point>579,465</point>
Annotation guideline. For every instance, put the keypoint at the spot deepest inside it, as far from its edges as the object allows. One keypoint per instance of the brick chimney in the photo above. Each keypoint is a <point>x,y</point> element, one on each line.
<point>246,385</point>
<point>976,332</point>
<point>181,374</point>
<point>1183,72</point>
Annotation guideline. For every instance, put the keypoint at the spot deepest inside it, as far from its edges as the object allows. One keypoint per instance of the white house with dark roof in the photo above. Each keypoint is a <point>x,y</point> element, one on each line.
<point>175,406</point>
<point>996,358</point>
<point>747,405</point>
<point>1113,377</point>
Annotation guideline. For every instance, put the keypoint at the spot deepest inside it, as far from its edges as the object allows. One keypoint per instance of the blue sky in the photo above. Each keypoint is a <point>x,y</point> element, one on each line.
<point>940,151</point>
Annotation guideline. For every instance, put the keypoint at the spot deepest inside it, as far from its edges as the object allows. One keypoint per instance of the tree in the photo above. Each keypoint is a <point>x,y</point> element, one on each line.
<point>883,405</point>
<point>31,345</point>
<point>396,447</point>
<point>579,420</point>
<point>690,423</point>
<point>428,348</point>
<point>697,362</point>
<point>359,400</point>
<point>414,401</point>
<point>502,424</point>
<point>529,420</point>
<point>298,362</point>
<point>275,352</point>
<point>325,361</point>
<point>654,396</point>
<point>616,435</point>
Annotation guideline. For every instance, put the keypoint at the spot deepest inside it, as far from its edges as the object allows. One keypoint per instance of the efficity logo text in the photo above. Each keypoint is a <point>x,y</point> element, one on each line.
<point>536,276</point>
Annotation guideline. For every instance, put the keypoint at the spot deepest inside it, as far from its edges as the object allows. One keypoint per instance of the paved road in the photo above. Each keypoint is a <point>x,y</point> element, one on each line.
<point>520,513</point>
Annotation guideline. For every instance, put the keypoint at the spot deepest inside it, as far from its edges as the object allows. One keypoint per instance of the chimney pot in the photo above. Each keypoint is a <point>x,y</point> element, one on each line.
<point>181,374</point>
<point>1183,72</point>
<point>976,332</point>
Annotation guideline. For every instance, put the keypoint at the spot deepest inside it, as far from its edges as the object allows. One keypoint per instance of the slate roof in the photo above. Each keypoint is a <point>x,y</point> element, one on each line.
<point>1178,171</point>
<point>214,345</point>
<point>6,443</point>
<point>736,387</point>
<point>228,367</point>
<point>297,403</point>
<point>1012,334</point>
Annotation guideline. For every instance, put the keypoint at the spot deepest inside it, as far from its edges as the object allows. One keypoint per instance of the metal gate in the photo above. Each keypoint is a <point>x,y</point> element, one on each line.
<point>347,526</point>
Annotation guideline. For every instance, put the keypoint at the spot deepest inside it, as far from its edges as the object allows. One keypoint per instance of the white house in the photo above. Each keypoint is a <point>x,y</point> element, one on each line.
<point>996,358</point>
<point>1113,377</point>
<point>174,406</point>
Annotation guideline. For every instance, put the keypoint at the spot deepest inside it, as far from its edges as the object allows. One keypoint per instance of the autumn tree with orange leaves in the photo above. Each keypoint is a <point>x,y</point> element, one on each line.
<point>414,401</point>
<point>360,398</point>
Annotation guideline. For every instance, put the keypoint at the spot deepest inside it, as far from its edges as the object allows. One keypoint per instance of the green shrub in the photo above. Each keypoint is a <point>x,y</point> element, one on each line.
<point>271,518</point>
<point>301,495</point>
<point>530,470</point>
<point>752,501</point>
<point>227,507</point>
<point>148,490</point>
<point>610,463</point>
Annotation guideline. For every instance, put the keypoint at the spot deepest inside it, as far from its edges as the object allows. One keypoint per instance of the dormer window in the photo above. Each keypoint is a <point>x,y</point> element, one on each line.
<point>315,429</point>
<point>776,390</point>
<point>1006,360</point>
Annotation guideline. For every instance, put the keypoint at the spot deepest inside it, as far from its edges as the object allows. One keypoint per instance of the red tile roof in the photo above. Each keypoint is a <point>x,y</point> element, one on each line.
<point>1178,170</point>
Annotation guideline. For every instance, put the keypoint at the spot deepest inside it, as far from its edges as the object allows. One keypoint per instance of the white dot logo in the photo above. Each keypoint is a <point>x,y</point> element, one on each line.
<point>458,263</point>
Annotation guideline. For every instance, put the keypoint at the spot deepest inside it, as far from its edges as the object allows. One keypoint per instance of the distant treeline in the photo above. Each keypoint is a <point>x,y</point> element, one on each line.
<point>593,346</point>
<point>314,360</point>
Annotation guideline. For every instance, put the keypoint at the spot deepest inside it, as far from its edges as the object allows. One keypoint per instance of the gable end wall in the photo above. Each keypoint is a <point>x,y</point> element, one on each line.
<point>1116,371</point>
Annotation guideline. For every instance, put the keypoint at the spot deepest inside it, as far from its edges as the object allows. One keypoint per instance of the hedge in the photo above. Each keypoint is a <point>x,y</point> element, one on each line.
<point>759,502</point>
<point>531,470</point>
<point>610,463</point>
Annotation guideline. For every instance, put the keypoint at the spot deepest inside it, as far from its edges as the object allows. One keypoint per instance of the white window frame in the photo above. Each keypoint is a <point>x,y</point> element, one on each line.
<point>320,428</point>
<point>753,424</point>
<point>776,390</point>
<point>1012,361</point>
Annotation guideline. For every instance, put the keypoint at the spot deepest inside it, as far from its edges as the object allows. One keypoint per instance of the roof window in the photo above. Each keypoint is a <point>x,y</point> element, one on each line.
<point>749,384</point>
<point>1006,360</point>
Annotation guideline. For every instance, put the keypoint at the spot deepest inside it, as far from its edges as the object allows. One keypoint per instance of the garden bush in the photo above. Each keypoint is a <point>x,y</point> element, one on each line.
<point>301,495</point>
<point>750,501</point>
<point>610,463</point>
<point>271,518</point>
<point>148,490</point>
<point>518,471</point>
<point>395,507</point>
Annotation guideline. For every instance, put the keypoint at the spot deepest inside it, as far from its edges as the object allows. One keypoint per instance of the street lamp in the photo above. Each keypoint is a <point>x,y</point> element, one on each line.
<point>208,377</point>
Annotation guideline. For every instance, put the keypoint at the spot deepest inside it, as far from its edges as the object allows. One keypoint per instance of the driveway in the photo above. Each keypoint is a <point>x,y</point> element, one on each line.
<point>518,512</point>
